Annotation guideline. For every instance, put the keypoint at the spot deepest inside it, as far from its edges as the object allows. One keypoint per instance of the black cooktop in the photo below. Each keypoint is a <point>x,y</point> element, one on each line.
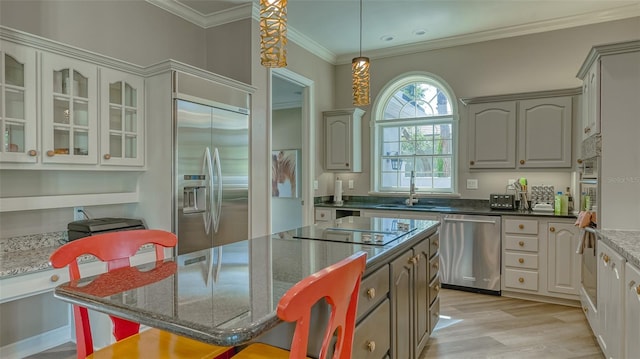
<point>362,230</point>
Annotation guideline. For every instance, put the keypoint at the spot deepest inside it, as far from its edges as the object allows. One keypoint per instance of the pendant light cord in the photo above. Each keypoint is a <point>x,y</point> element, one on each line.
<point>360,28</point>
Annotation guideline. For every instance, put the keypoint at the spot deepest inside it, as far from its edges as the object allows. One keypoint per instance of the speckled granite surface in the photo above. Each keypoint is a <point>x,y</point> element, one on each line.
<point>627,243</point>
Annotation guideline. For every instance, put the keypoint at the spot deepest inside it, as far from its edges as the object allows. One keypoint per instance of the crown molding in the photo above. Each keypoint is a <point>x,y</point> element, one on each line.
<point>235,13</point>
<point>311,46</point>
<point>619,13</point>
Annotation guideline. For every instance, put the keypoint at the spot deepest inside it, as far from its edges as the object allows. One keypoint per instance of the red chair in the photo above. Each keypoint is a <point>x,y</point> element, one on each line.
<point>116,248</point>
<point>339,284</point>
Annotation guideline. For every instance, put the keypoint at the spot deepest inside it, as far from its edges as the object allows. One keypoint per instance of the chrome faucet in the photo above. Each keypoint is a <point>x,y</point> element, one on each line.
<point>412,191</point>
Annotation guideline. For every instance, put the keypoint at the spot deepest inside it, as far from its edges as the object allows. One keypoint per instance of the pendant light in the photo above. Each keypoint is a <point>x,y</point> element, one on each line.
<point>360,73</point>
<point>273,33</point>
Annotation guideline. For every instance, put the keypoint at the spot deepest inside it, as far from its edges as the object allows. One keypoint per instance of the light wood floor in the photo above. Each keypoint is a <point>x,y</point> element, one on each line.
<point>485,326</point>
<point>475,326</point>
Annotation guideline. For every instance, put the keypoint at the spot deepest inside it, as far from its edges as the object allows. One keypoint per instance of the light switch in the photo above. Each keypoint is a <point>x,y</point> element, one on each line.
<point>472,184</point>
<point>315,184</point>
<point>350,184</point>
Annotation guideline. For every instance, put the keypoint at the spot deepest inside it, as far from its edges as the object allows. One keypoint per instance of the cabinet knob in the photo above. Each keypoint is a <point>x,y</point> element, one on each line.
<point>322,215</point>
<point>552,229</point>
<point>436,244</point>
<point>587,129</point>
<point>585,309</point>
<point>605,258</point>
<point>55,278</point>
<point>413,260</point>
<point>521,280</point>
<point>107,156</point>
<point>638,289</point>
<point>472,163</point>
<point>521,162</point>
<point>437,288</point>
<point>579,161</point>
<point>33,153</point>
<point>521,260</point>
<point>346,164</point>
<point>436,265</point>
<point>371,346</point>
<point>521,243</point>
<point>521,226</point>
<point>371,293</point>
<point>51,153</point>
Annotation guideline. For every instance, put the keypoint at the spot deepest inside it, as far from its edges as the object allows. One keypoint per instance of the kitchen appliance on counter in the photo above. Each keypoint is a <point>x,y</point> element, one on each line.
<point>470,251</point>
<point>502,201</point>
<point>211,169</point>
<point>90,227</point>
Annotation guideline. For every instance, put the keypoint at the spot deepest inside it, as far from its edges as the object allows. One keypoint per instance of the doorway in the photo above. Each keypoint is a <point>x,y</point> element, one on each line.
<point>291,150</point>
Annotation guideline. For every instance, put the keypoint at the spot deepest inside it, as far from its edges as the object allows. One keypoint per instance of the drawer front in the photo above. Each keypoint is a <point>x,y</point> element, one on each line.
<point>521,279</point>
<point>434,245</point>
<point>434,289</point>
<point>372,337</point>
<point>434,315</point>
<point>323,215</point>
<point>521,260</point>
<point>521,226</point>
<point>521,243</point>
<point>373,290</point>
<point>434,266</point>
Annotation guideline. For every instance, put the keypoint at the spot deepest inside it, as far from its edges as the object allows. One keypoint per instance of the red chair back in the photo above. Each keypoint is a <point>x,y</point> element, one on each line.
<point>115,248</point>
<point>339,284</point>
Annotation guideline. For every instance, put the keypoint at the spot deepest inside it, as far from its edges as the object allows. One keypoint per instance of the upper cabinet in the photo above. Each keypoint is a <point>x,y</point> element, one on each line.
<point>590,118</point>
<point>18,103</point>
<point>122,125</point>
<point>532,130</point>
<point>343,140</point>
<point>71,111</point>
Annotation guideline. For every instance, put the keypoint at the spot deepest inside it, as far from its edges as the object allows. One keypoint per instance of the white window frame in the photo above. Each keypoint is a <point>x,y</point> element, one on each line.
<point>376,134</point>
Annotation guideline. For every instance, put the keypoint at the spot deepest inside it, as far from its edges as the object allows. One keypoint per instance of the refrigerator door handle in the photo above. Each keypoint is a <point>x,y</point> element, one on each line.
<point>218,202</point>
<point>208,171</point>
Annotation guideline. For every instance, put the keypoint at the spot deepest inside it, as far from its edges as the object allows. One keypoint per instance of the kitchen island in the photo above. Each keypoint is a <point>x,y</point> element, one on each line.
<point>228,295</point>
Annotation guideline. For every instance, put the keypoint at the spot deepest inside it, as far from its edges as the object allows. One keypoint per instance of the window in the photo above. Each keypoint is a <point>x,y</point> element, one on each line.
<point>415,130</point>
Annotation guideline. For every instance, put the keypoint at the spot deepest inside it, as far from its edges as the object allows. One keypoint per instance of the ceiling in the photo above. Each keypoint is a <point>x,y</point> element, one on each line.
<point>331,28</point>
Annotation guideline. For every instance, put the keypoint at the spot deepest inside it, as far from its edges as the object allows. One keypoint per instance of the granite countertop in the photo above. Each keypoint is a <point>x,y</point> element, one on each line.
<point>625,242</point>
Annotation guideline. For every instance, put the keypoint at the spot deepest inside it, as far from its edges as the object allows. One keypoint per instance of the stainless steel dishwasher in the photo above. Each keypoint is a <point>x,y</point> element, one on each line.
<point>470,251</point>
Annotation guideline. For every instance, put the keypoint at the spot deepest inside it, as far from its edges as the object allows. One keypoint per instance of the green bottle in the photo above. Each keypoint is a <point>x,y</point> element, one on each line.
<point>557,203</point>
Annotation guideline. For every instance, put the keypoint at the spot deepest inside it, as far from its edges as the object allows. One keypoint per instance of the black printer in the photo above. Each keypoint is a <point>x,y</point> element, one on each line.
<point>91,227</point>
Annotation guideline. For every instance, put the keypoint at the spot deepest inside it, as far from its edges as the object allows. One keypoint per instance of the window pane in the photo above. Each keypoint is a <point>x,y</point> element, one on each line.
<point>81,113</point>
<point>115,121</point>
<point>131,146</point>
<point>442,147</point>
<point>81,143</point>
<point>115,145</point>
<point>130,121</point>
<point>60,110</point>
<point>391,134</point>
<point>61,81</point>
<point>61,141</point>
<point>115,93</point>
<point>15,104</point>
<point>130,96</point>
<point>14,71</point>
<point>14,137</point>
<point>80,85</point>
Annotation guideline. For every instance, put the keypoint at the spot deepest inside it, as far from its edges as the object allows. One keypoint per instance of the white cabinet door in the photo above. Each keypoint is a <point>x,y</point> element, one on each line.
<point>18,103</point>
<point>122,119</point>
<point>342,131</point>
<point>544,133</point>
<point>610,301</point>
<point>591,97</point>
<point>563,262</point>
<point>632,311</point>
<point>492,135</point>
<point>69,111</point>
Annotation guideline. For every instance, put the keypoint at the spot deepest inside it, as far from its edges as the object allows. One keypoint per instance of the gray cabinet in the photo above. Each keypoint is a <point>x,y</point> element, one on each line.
<point>343,140</point>
<point>531,130</point>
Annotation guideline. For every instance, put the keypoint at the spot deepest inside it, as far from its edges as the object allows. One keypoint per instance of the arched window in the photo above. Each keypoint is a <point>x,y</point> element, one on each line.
<point>415,129</point>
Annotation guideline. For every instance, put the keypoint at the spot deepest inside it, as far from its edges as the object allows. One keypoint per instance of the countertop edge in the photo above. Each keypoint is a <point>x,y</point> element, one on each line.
<point>625,242</point>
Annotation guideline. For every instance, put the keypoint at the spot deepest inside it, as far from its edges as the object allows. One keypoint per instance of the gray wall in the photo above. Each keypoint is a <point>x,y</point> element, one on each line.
<point>543,61</point>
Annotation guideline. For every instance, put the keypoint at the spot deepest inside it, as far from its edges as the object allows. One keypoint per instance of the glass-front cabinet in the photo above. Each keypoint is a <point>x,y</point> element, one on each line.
<point>69,110</point>
<point>18,103</point>
<point>122,119</point>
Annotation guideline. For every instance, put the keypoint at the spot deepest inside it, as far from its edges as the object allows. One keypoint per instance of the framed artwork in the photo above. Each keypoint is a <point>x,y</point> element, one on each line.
<point>284,173</point>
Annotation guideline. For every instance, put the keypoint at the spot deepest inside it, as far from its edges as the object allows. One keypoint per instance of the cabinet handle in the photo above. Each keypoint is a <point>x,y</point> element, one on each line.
<point>638,289</point>
<point>521,243</point>
<point>107,156</point>
<point>33,153</point>
<point>55,278</point>
<point>436,265</point>
<point>552,229</point>
<point>437,288</point>
<point>322,215</point>
<point>521,226</point>
<point>371,293</point>
<point>413,260</point>
<point>521,260</point>
<point>371,346</point>
<point>579,161</point>
<point>472,163</point>
<point>605,258</point>
<point>51,153</point>
<point>587,129</point>
<point>346,165</point>
<point>521,162</point>
<point>585,309</point>
<point>521,280</point>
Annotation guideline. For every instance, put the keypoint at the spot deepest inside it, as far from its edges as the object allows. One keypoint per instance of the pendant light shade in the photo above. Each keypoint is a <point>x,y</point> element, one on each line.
<point>360,74</point>
<point>273,33</point>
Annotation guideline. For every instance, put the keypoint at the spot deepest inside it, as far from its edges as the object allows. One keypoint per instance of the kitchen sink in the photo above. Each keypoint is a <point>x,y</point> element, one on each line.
<point>417,206</point>
<point>391,205</point>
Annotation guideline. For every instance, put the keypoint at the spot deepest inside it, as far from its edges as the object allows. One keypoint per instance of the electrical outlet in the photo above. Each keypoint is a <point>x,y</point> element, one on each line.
<point>78,215</point>
<point>472,184</point>
<point>511,181</point>
<point>315,184</point>
<point>350,184</point>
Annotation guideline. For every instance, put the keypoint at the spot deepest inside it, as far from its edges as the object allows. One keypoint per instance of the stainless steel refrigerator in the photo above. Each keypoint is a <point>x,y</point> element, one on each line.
<point>211,174</point>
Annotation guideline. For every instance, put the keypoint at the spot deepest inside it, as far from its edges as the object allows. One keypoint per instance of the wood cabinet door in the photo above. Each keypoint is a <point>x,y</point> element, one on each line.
<point>563,274</point>
<point>492,135</point>
<point>402,272</point>
<point>422,299</point>
<point>544,133</point>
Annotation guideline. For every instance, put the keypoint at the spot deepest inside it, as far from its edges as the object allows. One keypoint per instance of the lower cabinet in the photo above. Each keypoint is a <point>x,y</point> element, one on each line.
<point>611,296</point>
<point>563,264</point>
<point>372,336</point>
<point>632,311</point>
<point>413,297</point>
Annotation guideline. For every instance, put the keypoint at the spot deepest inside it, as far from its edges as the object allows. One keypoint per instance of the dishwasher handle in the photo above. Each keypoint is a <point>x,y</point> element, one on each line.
<point>469,220</point>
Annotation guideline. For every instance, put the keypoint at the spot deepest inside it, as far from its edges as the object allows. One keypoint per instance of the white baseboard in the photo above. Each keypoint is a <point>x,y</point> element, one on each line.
<point>36,344</point>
